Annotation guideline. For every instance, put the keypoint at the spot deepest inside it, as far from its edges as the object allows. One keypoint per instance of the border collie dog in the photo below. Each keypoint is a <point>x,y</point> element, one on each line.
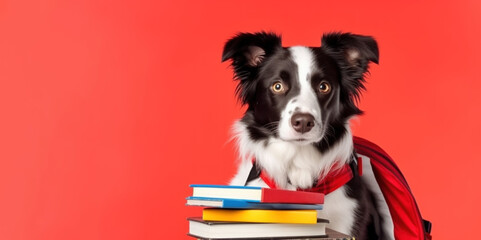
<point>296,126</point>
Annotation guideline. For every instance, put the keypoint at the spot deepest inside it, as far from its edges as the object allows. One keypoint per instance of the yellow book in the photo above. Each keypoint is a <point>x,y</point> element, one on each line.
<point>260,215</point>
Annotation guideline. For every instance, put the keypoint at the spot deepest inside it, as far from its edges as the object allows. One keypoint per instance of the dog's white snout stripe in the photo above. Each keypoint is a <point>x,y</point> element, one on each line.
<point>306,101</point>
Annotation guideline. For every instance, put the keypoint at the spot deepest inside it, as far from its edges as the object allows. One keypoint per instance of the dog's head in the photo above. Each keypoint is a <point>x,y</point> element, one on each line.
<point>304,95</point>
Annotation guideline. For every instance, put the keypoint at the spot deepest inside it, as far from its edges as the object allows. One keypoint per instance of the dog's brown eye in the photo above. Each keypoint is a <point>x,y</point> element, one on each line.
<point>324,87</point>
<point>278,87</point>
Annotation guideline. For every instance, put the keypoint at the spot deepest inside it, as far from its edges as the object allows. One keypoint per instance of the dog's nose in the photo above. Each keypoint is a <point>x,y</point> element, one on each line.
<point>302,122</point>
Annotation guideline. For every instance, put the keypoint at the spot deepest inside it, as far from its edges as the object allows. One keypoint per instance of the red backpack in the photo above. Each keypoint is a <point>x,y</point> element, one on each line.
<point>396,203</point>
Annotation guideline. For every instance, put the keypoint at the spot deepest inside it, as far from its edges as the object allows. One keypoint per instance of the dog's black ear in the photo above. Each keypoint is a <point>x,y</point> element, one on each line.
<point>250,48</point>
<point>247,52</point>
<point>355,50</point>
<point>353,53</point>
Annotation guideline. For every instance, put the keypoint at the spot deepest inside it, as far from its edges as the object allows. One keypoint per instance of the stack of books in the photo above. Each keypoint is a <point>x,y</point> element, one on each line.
<point>238,212</point>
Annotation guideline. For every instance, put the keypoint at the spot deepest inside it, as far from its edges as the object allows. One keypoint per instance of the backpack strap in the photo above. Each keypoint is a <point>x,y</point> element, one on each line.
<point>427,229</point>
<point>254,174</point>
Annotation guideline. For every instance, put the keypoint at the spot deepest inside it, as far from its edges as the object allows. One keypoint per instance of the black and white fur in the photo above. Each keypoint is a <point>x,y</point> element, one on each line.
<point>299,103</point>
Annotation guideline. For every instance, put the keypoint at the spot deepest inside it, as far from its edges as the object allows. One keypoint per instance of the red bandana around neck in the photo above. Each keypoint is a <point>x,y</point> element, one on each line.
<point>334,179</point>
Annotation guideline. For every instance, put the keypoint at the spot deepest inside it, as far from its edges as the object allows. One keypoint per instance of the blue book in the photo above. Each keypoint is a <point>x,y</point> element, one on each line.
<point>243,204</point>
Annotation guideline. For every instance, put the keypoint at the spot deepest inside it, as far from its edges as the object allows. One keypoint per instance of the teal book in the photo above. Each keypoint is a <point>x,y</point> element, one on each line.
<point>244,204</point>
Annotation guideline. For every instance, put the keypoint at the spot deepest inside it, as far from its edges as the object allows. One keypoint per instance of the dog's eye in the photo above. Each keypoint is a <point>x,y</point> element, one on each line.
<point>324,87</point>
<point>278,87</point>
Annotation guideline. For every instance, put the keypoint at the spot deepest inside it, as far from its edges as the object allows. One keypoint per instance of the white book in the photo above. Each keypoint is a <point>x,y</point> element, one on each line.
<point>256,194</point>
<point>239,230</point>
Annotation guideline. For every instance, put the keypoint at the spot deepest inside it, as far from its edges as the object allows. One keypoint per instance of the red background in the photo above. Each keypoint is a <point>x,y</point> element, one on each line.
<point>110,109</point>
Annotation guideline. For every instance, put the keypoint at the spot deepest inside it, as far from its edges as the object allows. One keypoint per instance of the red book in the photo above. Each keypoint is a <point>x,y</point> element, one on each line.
<point>257,194</point>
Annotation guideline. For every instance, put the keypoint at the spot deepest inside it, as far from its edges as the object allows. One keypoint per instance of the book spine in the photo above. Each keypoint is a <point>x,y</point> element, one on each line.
<point>260,216</point>
<point>235,203</point>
